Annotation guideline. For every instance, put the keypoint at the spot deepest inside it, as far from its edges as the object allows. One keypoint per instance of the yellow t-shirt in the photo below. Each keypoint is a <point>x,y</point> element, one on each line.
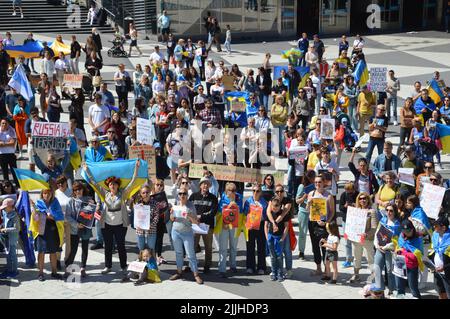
<point>313,159</point>
<point>385,193</point>
<point>365,101</point>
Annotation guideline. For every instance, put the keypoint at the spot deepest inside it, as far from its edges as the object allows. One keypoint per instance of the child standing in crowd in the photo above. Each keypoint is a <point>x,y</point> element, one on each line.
<point>276,233</point>
<point>227,43</point>
<point>331,256</point>
<point>9,236</point>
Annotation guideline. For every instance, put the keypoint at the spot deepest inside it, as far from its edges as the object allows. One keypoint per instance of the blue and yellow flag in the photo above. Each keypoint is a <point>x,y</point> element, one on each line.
<point>24,211</point>
<point>413,245</point>
<point>440,245</point>
<point>30,181</point>
<point>361,73</point>
<point>444,135</point>
<point>75,157</point>
<point>435,92</point>
<point>122,169</point>
<point>28,50</point>
<point>55,210</point>
<point>57,47</point>
<point>286,54</point>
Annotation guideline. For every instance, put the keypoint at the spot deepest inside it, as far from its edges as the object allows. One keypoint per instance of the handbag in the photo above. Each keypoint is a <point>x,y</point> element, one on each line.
<point>96,80</point>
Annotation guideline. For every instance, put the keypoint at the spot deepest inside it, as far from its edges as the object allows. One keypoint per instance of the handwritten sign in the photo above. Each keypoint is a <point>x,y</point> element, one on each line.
<point>145,132</point>
<point>378,79</point>
<point>73,80</point>
<point>49,143</point>
<point>51,129</point>
<point>431,199</point>
<point>146,153</point>
<point>327,129</point>
<point>355,225</point>
<point>86,214</point>
<point>142,216</point>
<point>406,176</point>
<point>298,152</point>
<point>318,209</point>
<point>137,266</point>
<point>254,217</point>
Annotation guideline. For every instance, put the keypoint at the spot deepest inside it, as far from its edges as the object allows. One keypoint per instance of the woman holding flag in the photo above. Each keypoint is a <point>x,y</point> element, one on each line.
<point>114,221</point>
<point>47,227</point>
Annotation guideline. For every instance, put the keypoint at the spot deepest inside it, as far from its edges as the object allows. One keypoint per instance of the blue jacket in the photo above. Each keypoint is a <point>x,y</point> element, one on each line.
<point>237,119</point>
<point>303,45</point>
<point>57,171</point>
<point>251,201</point>
<point>380,161</point>
<point>224,201</point>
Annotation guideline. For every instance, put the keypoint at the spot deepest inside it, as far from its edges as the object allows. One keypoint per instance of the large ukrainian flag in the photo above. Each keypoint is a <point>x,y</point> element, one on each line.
<point>435,92</point>
<point>29,50</point>
<point>122,169</point>
<point>444,135</point>
<point>30,181</point>
<point>361,73</point>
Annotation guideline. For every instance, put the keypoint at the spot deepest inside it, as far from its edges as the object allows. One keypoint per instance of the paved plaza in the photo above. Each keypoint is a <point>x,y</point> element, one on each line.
<point>412,57</point>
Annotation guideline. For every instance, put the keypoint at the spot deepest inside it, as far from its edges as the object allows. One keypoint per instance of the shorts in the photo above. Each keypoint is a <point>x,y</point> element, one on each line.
<point>165,30</point>
<point>133,43</point>
<point>331,255</point>
<point>171,164</point>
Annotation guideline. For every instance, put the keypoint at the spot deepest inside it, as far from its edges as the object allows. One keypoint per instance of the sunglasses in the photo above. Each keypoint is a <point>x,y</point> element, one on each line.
<point>280,191</point>
<point>184,182</point>
<point>363,198</point>
<point>433,180</point>
<point>390,210</point>
<point>182,194</point>
<point>159,184</point>
<point>78,189</point>
<point>111,132</point>
<point>145,192</point>
<point>428,167</point>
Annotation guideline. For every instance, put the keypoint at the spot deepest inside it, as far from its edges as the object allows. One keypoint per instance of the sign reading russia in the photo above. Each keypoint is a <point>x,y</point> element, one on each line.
<point>50,129</point>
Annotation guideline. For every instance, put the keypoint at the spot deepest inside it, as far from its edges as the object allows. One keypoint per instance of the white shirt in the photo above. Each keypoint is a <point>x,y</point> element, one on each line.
<point>6,137</point>
<point>61,64</point>
<point>321,166</point>
<point>358,44</point>
<point>316,83</point>
<point>98,114</point>
<point>156,57</point>
<point>158,87</point>
<point>331,240</point>
<point>209,73</point>
<point>48,67</point>
<point>63,198</point>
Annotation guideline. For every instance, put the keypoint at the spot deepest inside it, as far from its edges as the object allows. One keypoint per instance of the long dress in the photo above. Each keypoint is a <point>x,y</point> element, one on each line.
<point>20,119</point>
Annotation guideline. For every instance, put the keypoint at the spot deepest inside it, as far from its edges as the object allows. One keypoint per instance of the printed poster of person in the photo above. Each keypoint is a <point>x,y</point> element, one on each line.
<point>86,214</point>
<point>384,235</point>
<point>230,216</point>
<point>254,217</point>
<point>318,209</point>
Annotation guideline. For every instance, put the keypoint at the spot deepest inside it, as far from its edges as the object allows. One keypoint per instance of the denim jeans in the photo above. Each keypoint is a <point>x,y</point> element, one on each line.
<point>287,252</point>
<point>381,260</point>
<point>227,236</point>
<point>98,228</point>
<point>392,107</point>
<point>318,100</point>
<point>264,100</point>
<point>146,241</point>
<point>11,246</point>
<point>169,232</point>
<point>352,115</point>
<point>303,218</point>
<point>379,143</point>
<point>227,46</point>
<point>413,282</point>
<point>276,261</point>
<point>185,240</point>
<point>348,248</point>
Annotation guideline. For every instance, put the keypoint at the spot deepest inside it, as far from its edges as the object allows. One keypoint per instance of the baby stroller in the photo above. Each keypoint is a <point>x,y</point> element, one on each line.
<point>117,50</point>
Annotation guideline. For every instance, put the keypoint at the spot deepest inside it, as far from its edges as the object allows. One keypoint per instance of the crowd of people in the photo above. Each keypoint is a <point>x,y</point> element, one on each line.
<point>183,86</point>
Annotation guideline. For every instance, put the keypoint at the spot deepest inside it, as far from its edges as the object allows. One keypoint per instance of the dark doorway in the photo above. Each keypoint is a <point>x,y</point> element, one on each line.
<point>308,17</point>
<point>412,15</point>
<point>358,16</point>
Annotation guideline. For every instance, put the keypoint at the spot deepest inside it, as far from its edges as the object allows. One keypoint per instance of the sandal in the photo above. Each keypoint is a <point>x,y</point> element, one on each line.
<point>198,280</point>
<point>176,276</point>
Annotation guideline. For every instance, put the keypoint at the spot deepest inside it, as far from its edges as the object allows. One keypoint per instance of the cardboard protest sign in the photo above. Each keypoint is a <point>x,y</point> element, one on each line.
<point>230,215</point>
<point>327,129</point>
<point>254,217</point>
<point>355,224</point>
<point>384,235</point>
<point>406,176</point>
<point>49,137</point>
<point>142,216</point>
<point>73,80</point>
<point>228,81</point>
<point>318,209</point>
<point>431,199</point>
<point>378,79</point>
<point>86,214</point>
<point>145,131</point>
<point>52,129</point>
<point>298,152</point>
<point>145,152</point>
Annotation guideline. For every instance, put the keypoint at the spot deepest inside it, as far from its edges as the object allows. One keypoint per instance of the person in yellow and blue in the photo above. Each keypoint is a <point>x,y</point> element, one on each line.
<point>440,256</point>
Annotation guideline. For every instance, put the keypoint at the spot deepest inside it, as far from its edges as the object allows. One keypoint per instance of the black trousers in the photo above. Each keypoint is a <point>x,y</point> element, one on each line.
<point>122,94</point>
<point>8,161</point>
<point>256,239</point>
<point>74,241</point>
<point>319,252</point>
<point>117,233</point>
<point>160,230</point>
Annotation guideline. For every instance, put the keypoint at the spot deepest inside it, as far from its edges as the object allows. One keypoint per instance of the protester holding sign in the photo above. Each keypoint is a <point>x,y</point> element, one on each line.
<point>364,202</point>
<point>145,208</point>
<point>255,211</point>
<point>75,208</point>
<point>183,216</point>
<point>317,229</point>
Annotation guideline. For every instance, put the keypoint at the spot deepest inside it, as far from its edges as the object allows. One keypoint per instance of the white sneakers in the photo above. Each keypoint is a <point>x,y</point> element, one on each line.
<point>106,271</point>
<point>14,13</point>
<point>395,123</point>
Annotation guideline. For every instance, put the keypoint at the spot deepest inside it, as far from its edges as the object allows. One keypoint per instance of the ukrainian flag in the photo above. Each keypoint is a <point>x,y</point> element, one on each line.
<point>57,47</point>
<point>75,157</point>
<point>444,135</point>
<point>361,73</point>
<point>30,181</point>
<point>413,245</point>
<point>435,92</point>
<point>29,50</point>
<point>122,169</point>
<point>304,73</point>
<point>291,53</point>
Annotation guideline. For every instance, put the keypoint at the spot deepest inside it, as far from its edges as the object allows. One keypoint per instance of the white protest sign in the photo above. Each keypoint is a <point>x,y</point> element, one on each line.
<point>399,268</point>
<point>378,79</point>
<point>431,199</point>
<point>145,133</point>
<point>406,176</point>
<point>137,266</point>
<point>362,139</point>
<point>52,129</point>
<point>327,130</point>
<point>355,225</point>
<point>201,229</point>
<point>298,152</point>
<point>142,216</point>
<point>73,80</point>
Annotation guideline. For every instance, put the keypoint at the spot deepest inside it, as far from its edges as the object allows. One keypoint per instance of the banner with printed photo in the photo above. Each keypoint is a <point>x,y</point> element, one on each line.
<point>230,215</point>
<point>399,269</point>
<point>254,217</point>
<point>318,209</point>
<point>238,105</point>
<point>355,224</point>
<point>86,214</point>
<point>142,216</point>
<point>327,130</point>
<point>384,235</point>
<point>431,199</point>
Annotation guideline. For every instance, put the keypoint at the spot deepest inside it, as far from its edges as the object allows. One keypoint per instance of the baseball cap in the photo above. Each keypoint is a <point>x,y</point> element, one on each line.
<point>407,225</point>
<point>8,202</point>
<point>156,145</point>
<point>204,180</point>
<point>317,142</point>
